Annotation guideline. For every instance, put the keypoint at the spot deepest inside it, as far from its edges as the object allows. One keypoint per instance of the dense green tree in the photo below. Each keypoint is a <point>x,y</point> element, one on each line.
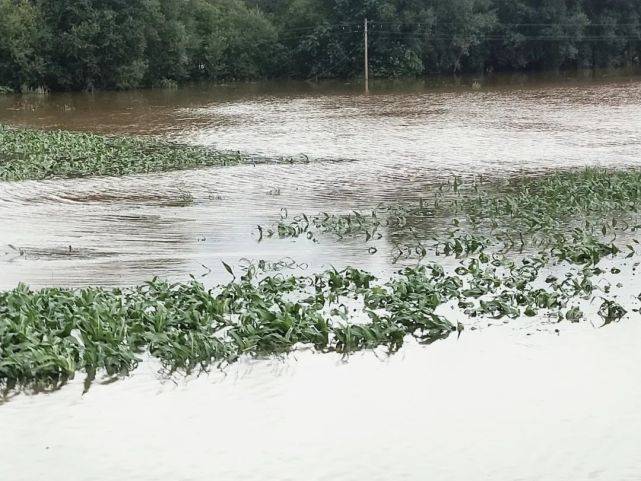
<point>615,32</point>
<point>232,41</point>
<point>95,43</point>
<point>117,44</point>
<point>168,41</point>
<point>21,61</point>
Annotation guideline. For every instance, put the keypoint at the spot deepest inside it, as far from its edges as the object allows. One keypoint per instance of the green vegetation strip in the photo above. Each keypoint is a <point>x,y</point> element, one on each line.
<point>28,154</point>
<point>573,221</point>
<point>48,335</point>
<point>572,215</point>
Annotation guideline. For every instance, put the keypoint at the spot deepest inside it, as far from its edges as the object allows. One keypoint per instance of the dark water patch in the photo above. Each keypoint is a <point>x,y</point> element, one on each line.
<point>54,253</point>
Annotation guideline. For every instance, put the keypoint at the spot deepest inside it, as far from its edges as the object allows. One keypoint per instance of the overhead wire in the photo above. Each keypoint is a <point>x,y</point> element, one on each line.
<point>346,28</point>
<point>377,30</point>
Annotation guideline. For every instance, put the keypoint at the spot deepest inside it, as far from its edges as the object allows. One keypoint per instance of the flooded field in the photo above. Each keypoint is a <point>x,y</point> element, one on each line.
<point>524,400</point>
<point>390,146</point>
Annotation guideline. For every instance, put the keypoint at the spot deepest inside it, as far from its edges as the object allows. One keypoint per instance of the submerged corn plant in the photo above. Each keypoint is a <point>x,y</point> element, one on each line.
<point>28,154</point>
<point>531,248</point>
<point>574,215</point>
<point>47,336</point>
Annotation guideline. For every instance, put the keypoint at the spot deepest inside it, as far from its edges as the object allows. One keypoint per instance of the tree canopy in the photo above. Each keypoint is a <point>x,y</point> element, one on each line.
<point>118,44</point>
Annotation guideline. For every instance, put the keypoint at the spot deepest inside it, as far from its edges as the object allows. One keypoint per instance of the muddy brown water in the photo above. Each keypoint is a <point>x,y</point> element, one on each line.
<point>517,401</point>
<point>390,146</point>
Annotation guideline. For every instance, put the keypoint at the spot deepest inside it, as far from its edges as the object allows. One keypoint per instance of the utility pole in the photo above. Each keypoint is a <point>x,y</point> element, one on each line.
<point>366,61</point>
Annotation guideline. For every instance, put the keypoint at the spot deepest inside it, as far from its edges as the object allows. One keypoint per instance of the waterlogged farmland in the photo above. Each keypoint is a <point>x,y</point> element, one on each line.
<point>472,252</point>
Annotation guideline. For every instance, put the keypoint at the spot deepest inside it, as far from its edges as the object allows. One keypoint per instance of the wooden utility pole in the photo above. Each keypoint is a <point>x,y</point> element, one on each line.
<point>366,61</point>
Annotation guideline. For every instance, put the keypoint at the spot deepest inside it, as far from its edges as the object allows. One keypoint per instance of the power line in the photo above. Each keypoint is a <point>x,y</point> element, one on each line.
<point>433,32</point>
<point>480,36</point>
<point>381,29</point>
<point>359,27</point>
<point>349,56</point>
<point>307,36</point>
<point>505,36</point>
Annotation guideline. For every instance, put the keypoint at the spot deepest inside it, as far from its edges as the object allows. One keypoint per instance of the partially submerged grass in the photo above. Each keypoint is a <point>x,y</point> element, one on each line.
<point>529,248</point>
<point>574,215</point>
<point>47,336</point>
<point>28,154</point>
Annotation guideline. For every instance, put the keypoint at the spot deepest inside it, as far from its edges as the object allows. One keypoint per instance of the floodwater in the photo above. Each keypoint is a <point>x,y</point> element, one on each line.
<point>511,402</point>
<point>390,146</point>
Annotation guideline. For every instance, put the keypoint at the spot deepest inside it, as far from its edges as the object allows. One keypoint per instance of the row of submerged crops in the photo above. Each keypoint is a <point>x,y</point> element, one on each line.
<point>585,209</point>
<point>560,247</point>
<point>29,154</point>
<point>48,335</point>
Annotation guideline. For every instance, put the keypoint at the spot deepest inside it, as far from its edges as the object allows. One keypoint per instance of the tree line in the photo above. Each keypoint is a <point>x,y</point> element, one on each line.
<point>120,44</point>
